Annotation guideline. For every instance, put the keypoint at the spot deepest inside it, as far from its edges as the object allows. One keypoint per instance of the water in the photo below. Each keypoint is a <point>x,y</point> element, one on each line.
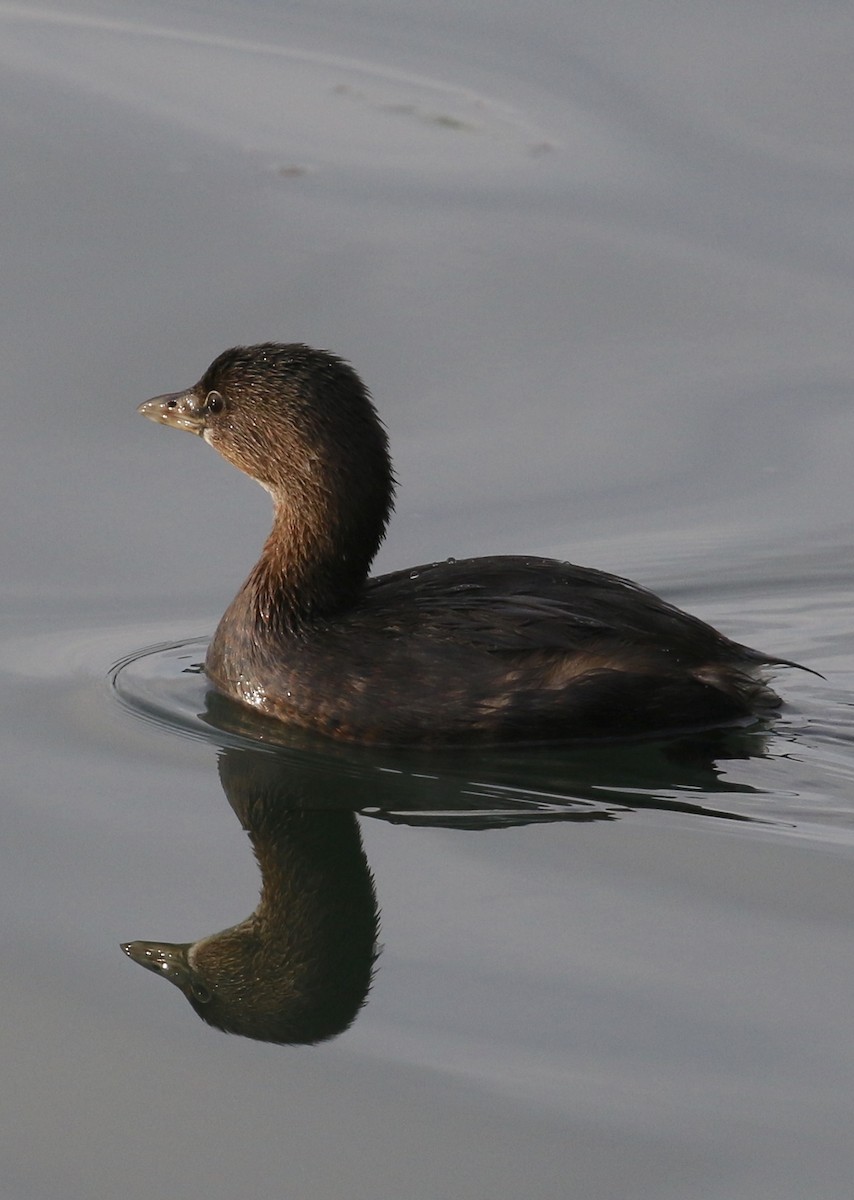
<point>595,265</point>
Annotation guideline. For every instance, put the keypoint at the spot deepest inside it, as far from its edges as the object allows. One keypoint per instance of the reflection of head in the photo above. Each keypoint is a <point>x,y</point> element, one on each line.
<point>299,968</point>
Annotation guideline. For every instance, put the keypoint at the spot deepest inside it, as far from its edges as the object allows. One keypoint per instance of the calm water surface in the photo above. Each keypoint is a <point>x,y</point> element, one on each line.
<point>596,264</point>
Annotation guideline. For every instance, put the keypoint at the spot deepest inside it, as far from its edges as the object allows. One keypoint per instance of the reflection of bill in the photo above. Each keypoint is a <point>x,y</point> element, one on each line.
<point>299,968</point>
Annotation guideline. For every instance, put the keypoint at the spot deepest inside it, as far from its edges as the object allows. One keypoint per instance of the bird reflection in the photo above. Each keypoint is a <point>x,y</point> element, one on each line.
<point>299,968</point>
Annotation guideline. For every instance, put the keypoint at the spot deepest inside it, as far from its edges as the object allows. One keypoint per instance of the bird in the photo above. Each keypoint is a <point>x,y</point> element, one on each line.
<point>504,648</point>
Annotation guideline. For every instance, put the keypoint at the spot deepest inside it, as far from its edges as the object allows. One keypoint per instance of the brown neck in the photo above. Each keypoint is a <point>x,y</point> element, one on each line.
<point>301,576</point>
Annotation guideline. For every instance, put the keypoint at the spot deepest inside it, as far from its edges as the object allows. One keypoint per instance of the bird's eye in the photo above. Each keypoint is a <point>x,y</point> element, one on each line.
<point>214,402</point>
<point>201,993</point>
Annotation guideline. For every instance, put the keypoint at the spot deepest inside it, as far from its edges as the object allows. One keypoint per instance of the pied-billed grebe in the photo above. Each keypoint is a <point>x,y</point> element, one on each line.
<point>500,648</point>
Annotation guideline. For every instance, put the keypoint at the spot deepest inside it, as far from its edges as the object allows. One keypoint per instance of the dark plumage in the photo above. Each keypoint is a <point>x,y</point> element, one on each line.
<point>501,648</point>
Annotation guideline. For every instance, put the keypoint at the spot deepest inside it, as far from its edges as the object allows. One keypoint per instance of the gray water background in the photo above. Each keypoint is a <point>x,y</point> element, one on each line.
<point>595,263</point>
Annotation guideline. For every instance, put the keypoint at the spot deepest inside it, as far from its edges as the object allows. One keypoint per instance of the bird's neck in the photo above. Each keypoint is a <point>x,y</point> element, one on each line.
<point>303,574</point>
